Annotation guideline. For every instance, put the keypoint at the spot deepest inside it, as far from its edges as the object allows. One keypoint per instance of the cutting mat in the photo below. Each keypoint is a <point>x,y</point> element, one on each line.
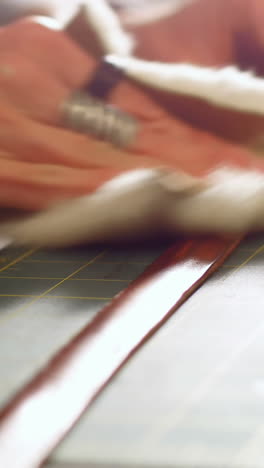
<point>186,399</point>
<point>194,395</point>
<point>48,297</point>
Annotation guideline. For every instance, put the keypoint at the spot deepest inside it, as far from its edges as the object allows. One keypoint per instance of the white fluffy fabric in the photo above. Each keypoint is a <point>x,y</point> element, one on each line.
<point>146,202</point>
<point>226,87</point>
<point>151,11</point>
<point>107,26</point>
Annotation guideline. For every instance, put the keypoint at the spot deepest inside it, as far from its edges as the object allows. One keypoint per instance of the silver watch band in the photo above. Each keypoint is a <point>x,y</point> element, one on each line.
<point>86,114</point>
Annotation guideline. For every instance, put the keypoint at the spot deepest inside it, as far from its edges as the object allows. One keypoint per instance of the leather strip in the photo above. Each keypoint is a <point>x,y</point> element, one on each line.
<point>107,76</point>
<point>42,414</point>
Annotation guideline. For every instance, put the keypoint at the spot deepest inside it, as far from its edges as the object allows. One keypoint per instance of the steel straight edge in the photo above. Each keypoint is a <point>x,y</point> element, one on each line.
<point>39,417</point>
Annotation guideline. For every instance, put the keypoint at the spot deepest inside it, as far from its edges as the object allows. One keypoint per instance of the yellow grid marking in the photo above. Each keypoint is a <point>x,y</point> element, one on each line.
<point>18,259</point>
<point>79,261</point>
<point>54,261</point>
<point>45,293</point>
<point>73,279</point>
<point>18,295</point>
<point>82,267</point>
<point>82,297</point>
<point>35,299</point>
<point>58,297</point>
<point>257,252</point>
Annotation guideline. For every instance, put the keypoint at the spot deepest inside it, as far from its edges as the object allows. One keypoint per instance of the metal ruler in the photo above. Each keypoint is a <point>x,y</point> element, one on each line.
<point>41,289</point>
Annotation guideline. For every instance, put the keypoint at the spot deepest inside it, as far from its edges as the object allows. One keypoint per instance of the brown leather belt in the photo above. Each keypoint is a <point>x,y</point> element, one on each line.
<point>45,410</point>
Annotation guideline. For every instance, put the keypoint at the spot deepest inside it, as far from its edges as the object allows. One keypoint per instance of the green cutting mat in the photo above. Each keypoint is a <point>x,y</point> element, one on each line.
<point>194,395</point>
<point>48,297</point>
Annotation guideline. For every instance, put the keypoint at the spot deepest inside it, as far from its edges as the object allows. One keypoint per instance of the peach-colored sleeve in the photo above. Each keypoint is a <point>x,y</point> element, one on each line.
<point>210,33</point>
<point>201,33</point>
<point>255,12</point>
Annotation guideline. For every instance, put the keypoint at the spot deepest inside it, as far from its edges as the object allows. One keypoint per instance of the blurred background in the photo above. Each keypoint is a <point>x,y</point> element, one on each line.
<point>12,9</point>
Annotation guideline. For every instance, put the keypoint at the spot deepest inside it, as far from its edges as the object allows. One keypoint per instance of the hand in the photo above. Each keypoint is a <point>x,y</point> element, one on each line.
<point>41,163</point>
<point>163,140</point>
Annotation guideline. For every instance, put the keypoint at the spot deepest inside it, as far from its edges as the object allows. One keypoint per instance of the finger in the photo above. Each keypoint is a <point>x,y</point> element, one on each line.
<point>51,176</point>
<point>30,89</point>
<point>52,50</point>
<point>41,187</point>
<point>28,198</point>
<point>181,146</point>
<point>31,141</point>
